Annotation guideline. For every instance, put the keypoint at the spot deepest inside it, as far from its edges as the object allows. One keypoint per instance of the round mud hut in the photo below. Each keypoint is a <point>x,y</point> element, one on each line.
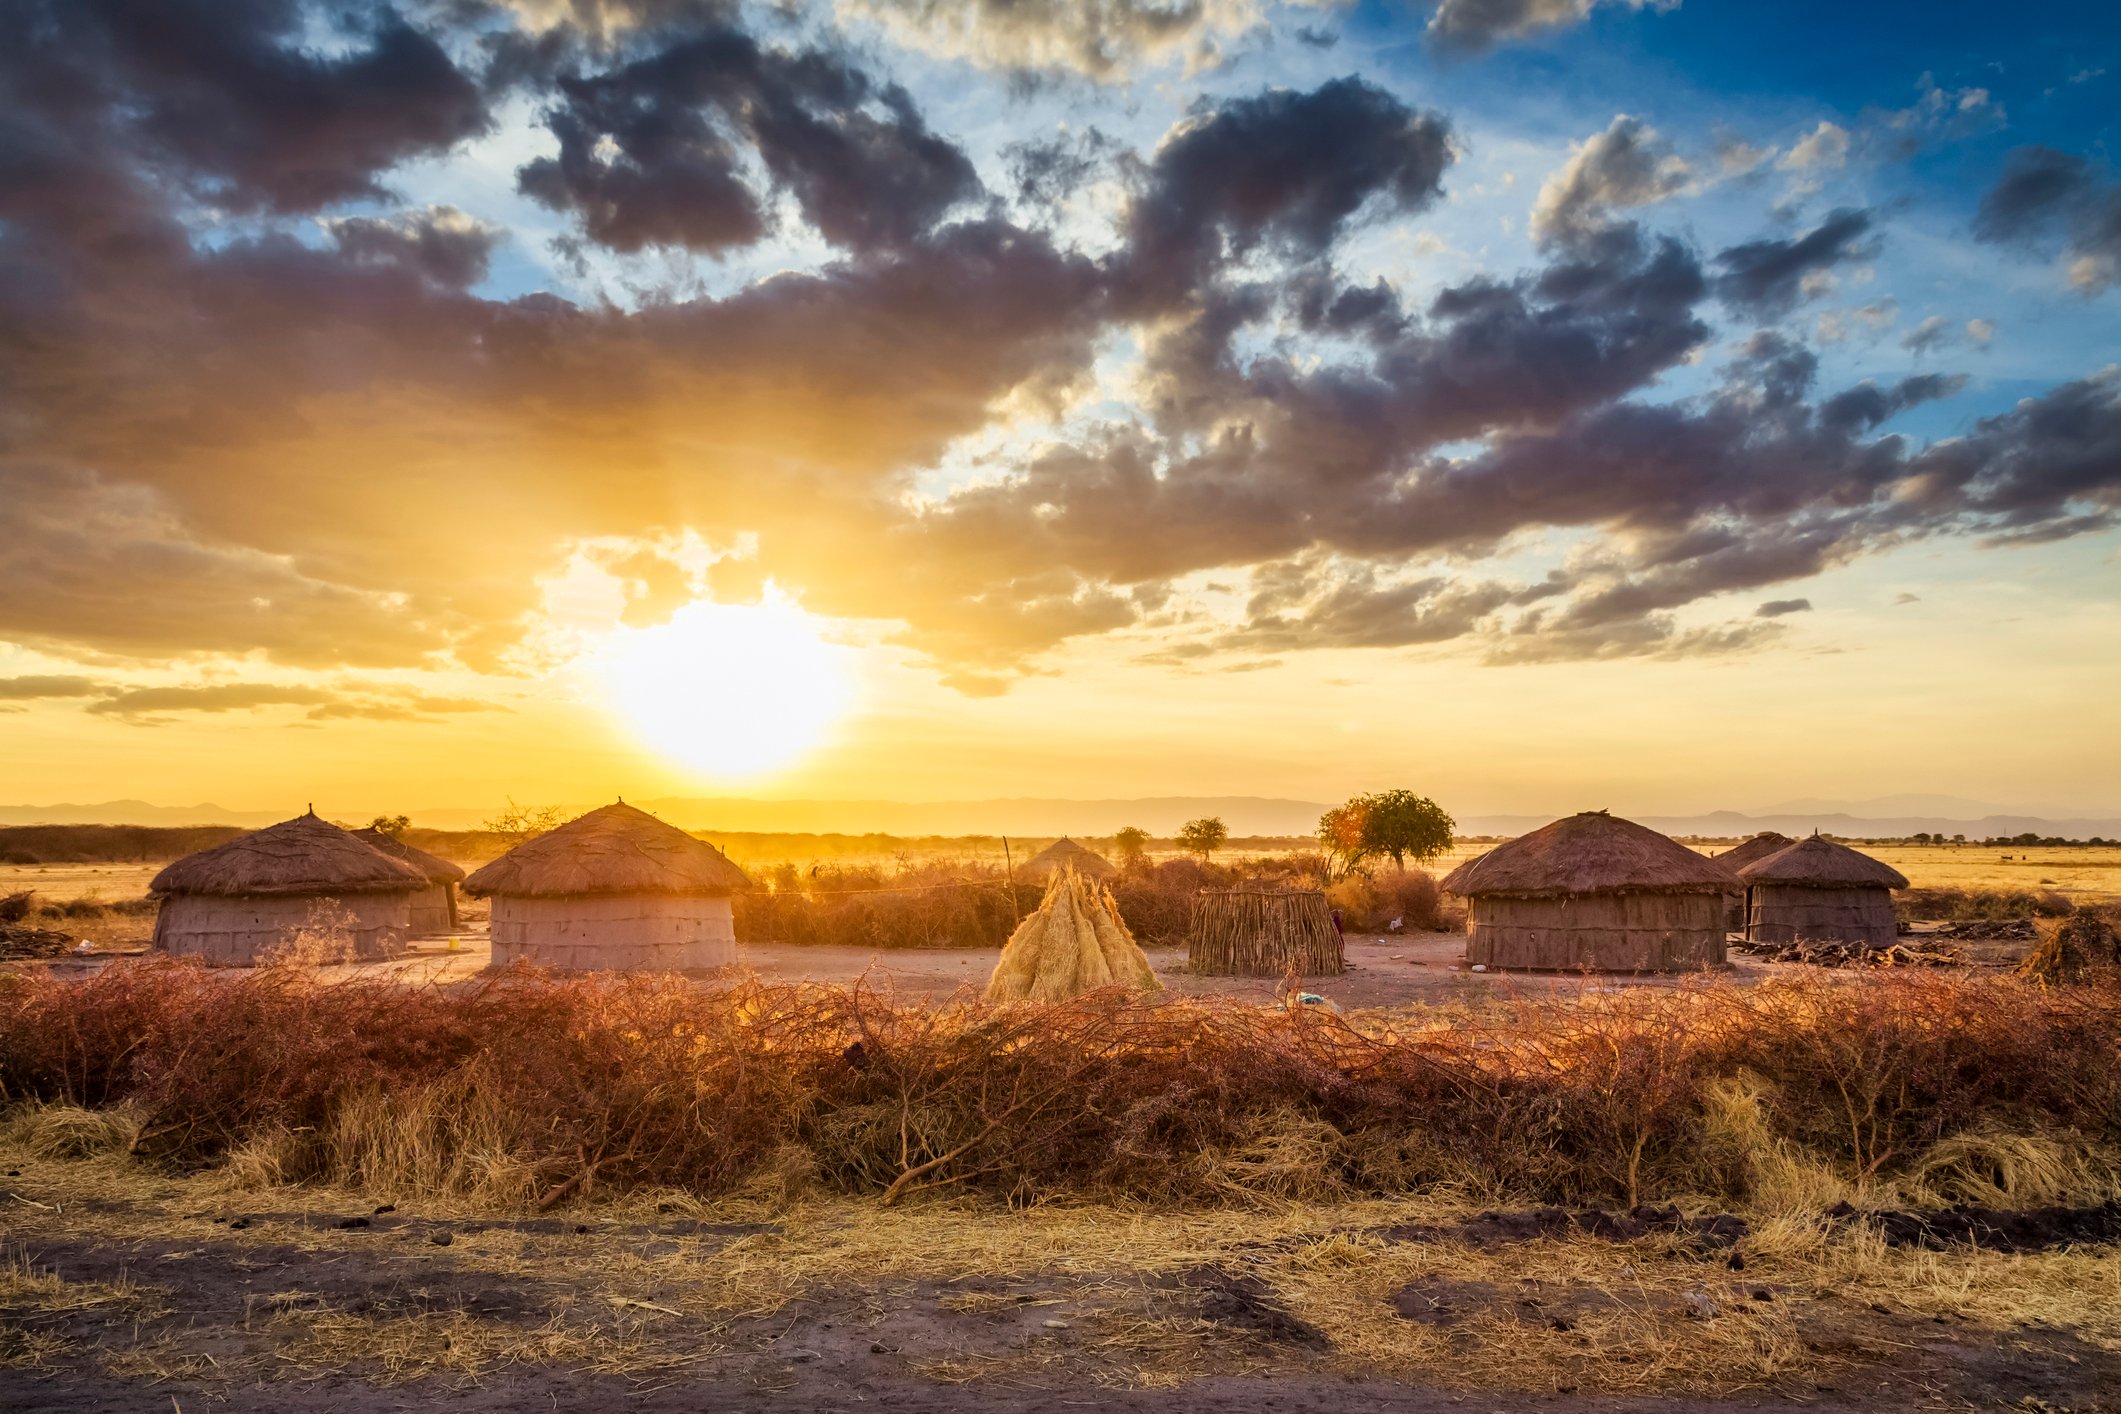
<point>1264,933</point>
<point>303,884</point>
<point>1821,892</point>
<point>616,889</point>
<point>1593,891</point>
<point>1067,854</point>
<point>434,908</point>
<point>1736,858</point>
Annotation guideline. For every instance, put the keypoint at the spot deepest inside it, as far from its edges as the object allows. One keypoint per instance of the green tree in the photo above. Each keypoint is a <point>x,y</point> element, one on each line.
<point>1402,824</point>
<point>392,825</point>
<point>1203,837</point>
<point>1340,831</point>
<point>1131,845</point>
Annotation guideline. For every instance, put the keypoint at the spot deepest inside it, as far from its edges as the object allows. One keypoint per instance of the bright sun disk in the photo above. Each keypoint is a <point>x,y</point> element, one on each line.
<point>729,689</point>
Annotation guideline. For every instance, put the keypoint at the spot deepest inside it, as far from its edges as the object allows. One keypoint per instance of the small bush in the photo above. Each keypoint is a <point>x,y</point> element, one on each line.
<point>17,906</point>
<point>1369,903</point>
<point>1980,905</point>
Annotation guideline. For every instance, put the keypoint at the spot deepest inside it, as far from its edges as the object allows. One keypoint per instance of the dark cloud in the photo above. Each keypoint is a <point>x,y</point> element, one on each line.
<point>1776,608</point>
<point>440,244</point>
<point>32,688</point>
<point>146,702</point>
<point>1048,172</point>
<point>1768,278</point>
<point>653,151</point>
<point>1282,169</point>
<point>239,100</point>
<point>2044,194</point>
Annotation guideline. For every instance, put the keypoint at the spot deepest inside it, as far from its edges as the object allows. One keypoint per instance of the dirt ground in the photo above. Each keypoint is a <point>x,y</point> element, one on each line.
<point>124,1289</point>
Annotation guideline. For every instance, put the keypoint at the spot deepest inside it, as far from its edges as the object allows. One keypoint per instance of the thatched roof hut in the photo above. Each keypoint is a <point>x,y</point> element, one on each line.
<point>1264,933</point>
<point>1818,891</point>
<point>1737,857</point>
<point>434,908</point>
<point>1076,942</point>
<point>615,889</point>
<point>1593,891</point>
<point>303,881</point>
<point>1067,854</point>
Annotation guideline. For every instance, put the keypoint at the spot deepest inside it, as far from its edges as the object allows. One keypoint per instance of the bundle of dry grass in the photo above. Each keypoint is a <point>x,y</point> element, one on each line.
<point>2083,946</point>
<point>1075,943</point>
<point>1261,933</point>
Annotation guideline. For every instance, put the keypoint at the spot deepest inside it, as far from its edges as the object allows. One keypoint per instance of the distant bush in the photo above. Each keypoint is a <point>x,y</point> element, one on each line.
<point>1980,905</point>
<point>1369,903</point>
<point>16,907</point>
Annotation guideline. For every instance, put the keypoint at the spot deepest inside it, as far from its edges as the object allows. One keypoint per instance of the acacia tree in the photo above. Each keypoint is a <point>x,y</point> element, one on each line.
<point>520,822</point>
<point>1340,831</point>
<point>1203,836</point>
<point>392,825</point>
<point>1402,824</point>
<point>1131,844</point>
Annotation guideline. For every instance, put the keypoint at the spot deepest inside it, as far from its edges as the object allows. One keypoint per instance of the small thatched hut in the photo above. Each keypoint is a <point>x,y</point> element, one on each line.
<point>304,878</point>
<point>615,889</point>
<point>1736,858</point>
<point>1820,891</point>
<point>1067,854</point>
<point>1075,942</point>
<point>1264,933</point>
<point>1593,891</point>
<point>434,908</point>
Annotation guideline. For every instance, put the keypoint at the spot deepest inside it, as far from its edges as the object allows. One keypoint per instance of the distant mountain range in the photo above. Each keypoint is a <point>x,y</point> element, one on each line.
<point>1888,816</point>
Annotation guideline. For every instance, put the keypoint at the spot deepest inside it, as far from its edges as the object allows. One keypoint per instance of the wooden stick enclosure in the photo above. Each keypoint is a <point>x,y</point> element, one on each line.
<point>1258,933</point>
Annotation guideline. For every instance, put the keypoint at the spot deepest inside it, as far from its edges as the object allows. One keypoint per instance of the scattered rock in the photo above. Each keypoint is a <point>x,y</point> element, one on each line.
<point>386,1208</point>
<point>1699,1307</point>
<point>441,1238</point>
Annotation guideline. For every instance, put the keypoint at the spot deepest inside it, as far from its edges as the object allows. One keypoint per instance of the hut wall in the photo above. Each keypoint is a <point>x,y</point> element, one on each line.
<point>239,930</point>
<point>1605,932</point>
<point>433,910</point>
<point>614,932</point>
<point>1257,933</point>
<point>1788,913</point>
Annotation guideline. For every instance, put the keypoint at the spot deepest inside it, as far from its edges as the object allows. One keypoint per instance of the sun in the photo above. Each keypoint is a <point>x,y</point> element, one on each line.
<point>729,690</point>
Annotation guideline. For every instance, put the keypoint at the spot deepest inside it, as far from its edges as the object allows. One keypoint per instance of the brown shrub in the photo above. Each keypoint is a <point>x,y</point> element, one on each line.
<point>1979,905</point>
<point>617,1082</point>
<point>1369,902</point>
<point>16,906</point>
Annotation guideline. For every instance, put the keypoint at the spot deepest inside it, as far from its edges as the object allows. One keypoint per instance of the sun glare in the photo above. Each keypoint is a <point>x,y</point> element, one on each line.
<point>729,690</point>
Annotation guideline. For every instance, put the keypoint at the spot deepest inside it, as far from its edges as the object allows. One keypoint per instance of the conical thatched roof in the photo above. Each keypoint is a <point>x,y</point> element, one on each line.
<point>437,869</point>
<point>1591,853</point>
<point>1066,853</point>
<point>1820,863</point>
<point>617,849</point>
<point>1759,846</point>
<point>300,856</point>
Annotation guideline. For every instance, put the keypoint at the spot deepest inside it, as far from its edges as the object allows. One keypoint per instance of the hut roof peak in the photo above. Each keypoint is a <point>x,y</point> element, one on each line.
<point>1593,852</point>
<point>305,855</point>
<point>1819,862</point>
<point>614,849</point>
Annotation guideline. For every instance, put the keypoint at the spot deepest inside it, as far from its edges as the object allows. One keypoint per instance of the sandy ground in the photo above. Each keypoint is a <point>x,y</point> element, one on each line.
<point>1382,971</point>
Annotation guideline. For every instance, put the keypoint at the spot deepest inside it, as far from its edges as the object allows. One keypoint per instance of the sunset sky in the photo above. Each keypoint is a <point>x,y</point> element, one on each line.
<point>1546,404</point>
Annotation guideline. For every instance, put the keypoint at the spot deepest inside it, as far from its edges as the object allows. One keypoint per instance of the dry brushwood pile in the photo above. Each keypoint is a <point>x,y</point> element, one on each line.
<point>1264,933</point>
<point>2082,946</point>
<point>541,1089</point>
<point>19,942</point>
<point>1076,942</point>
<point>1830,953</point>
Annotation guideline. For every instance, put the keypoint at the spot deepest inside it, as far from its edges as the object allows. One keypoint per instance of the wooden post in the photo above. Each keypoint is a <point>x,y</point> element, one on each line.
<point>1009,871</point>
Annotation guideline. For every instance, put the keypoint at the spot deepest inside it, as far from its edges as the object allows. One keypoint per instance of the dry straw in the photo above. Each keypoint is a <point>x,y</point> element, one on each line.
<point>1257,933</point>
<point>1075,943</point>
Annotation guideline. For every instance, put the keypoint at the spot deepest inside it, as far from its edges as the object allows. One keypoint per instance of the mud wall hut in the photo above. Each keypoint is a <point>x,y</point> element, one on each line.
<point>1593,891</point>
<point>1067,854</point>
<point>259,893</point>
<point>1736,858</point>
<point>433,909</point>
<point>1819,891</point>
<point>616,889</point>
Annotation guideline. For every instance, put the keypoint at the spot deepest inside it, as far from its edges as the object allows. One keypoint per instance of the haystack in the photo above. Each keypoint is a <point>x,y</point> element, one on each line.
<point>1075,942</point>
<point>434,908</point>
<point>1736,858</point>
<point>1817,891</point>
<point>273,888</point>
<point>2084,946</point>
<point>1067,854</point>
<point>616,889</point>
<point>1593,891</point>
<point>1264,933</point>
